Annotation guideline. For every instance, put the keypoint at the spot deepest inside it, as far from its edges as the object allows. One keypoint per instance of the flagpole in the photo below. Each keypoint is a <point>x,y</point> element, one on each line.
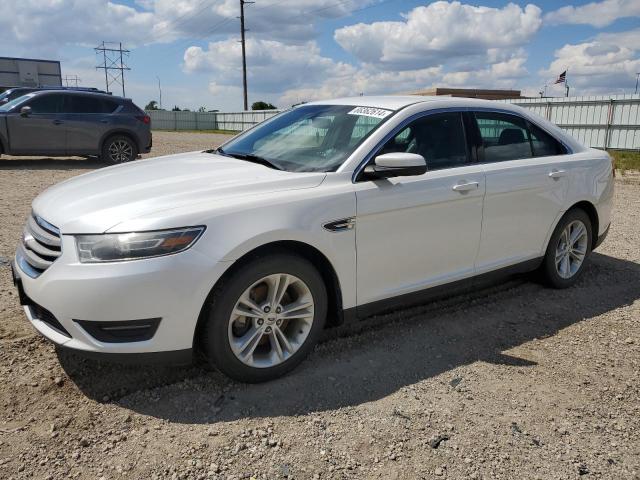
<point>566,83</point>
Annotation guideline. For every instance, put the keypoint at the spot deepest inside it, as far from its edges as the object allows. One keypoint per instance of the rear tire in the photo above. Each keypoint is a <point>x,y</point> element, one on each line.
<point>285,300</point>
<point>568,250</point>
<point>119,149</point>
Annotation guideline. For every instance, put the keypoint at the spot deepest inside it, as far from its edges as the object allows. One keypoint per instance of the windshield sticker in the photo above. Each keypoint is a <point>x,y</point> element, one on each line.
<point>371,112</point>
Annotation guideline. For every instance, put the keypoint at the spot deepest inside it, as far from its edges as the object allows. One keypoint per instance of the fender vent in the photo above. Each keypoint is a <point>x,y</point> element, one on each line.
<point>340,225</point>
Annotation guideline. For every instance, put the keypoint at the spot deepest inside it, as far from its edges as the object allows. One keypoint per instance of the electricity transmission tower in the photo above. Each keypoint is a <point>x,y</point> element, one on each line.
<point>74,79</point>
<point>244,55</point>
<point>113,61</point>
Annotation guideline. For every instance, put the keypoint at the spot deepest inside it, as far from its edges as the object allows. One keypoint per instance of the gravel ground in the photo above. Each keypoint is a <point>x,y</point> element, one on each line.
<point>516,381</point>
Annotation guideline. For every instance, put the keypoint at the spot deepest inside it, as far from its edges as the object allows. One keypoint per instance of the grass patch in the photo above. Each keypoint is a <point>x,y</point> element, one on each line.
<point>626,160</point>
<point>221,132</point>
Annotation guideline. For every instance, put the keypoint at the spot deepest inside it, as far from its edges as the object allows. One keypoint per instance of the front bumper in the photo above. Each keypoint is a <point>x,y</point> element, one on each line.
<point>170,290</point>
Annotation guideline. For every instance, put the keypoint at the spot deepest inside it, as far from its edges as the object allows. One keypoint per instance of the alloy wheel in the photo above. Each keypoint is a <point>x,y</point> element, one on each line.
<point>271,320</point>
<point>571,249</point>
<point>120,151</point>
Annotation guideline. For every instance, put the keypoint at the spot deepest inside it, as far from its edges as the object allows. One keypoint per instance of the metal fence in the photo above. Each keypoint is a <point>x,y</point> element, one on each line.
<point>235,121</point>
<point>611,121</point>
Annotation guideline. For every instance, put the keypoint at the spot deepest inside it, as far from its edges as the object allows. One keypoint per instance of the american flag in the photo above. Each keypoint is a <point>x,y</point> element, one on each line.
<point>562,78</point>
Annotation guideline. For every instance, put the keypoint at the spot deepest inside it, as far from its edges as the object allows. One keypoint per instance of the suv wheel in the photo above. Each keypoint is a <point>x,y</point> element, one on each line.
<point>568,249</point>
<point>119,149</point>
<point>266,318</point>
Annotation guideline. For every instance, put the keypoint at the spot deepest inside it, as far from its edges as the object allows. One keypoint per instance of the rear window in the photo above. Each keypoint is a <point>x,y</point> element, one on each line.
<point>130,107</point>
<point>544,144</point>
<point>88,104</point>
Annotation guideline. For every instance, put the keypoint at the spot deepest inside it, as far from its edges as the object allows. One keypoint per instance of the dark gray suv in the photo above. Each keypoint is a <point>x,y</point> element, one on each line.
<point>65,123</point>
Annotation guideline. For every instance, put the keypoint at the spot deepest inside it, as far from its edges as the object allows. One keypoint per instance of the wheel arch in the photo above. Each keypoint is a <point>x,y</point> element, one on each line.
<point>335,313</point>
<point>119,131</point>
<point>590,209</point>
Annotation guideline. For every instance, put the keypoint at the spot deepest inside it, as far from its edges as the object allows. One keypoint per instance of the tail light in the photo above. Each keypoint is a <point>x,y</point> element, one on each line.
<point>146,119</point>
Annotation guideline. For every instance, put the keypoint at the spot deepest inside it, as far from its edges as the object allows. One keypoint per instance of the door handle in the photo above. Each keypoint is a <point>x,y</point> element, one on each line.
<point>556,173</point>
<point>465,187</point>
<point>57,122</point>
<point>104,121</point>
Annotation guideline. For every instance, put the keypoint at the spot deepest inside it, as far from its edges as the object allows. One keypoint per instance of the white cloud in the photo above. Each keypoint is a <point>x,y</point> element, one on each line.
<point>606,64</point>
<point>44,27</point>
<point>290,74</point>
<point>442,32</point>
<point>290,20</point>
<point>598,14</point>
<point>275,66</point>
<point>362,81</point>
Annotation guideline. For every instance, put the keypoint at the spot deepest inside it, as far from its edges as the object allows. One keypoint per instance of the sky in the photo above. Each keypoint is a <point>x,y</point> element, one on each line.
<point>303,50</point>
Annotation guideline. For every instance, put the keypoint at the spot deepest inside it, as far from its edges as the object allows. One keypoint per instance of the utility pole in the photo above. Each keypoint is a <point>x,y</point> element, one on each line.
<point>244,54</point>
<point>160,90</point>
<point>637,77</point>
<point>121,71</point>
<point>543,92</point>
<point>71,78</point>
<point>113,60</point>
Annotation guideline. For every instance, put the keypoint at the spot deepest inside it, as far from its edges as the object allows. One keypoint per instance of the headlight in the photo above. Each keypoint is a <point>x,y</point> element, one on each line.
<point>114,247</point>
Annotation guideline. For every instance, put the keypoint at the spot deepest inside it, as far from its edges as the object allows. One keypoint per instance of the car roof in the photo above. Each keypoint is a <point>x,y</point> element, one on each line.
<point>80,92</point>
<point>392,102</point>
<point>57,88</point>
<point>397,102</point>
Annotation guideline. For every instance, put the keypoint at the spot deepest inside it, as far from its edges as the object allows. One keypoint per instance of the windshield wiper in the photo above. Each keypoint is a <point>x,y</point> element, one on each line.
<point>249,158</point>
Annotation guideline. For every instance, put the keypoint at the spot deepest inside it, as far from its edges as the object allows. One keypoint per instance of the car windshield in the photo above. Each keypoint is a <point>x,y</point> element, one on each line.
<point>311,138</point>
<point>9,105</point>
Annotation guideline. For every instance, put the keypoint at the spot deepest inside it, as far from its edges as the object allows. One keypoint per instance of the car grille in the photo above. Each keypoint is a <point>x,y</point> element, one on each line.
<point>41,246</point>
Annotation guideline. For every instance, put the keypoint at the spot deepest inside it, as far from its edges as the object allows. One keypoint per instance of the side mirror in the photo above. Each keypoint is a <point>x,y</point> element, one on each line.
<point>25,111</point>
<point>397,164</point>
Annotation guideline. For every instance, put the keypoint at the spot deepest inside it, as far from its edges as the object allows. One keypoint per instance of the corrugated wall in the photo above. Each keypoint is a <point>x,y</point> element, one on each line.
<point>597,121</point>
<point>611,121</point>
<point>237,121</point>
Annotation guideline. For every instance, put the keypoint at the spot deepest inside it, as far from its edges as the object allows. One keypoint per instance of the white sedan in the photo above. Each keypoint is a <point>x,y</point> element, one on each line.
<point>328,212</point>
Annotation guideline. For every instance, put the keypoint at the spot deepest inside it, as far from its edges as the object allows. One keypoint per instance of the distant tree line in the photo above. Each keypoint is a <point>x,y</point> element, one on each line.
<point>260,105</point>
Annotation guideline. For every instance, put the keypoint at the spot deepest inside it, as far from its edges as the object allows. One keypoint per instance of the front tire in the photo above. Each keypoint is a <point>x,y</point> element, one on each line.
<point>568,250</point>
<point>265,318</point>
<point>119,149</point>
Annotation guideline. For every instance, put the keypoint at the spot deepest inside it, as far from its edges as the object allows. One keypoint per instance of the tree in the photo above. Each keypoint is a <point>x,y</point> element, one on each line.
<point>176,108</point>
<point>152,105</point>
<point>262,106</point>
<point>202,109</point>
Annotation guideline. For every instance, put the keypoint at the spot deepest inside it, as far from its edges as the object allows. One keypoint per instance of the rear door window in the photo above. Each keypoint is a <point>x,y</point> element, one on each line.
<point>88,104</point>
<point>504,137</point>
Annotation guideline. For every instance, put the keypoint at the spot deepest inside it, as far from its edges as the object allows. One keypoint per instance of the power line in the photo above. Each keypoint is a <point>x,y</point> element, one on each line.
<point>171,26</point>
<point>112,60</point>
<point>226,20</point>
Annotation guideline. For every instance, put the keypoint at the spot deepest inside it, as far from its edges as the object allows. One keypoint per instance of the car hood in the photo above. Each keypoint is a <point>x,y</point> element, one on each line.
<point>96,201</point>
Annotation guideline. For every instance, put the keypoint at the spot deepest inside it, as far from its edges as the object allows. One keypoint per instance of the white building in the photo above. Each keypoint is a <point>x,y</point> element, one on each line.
<point>28,72</point>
